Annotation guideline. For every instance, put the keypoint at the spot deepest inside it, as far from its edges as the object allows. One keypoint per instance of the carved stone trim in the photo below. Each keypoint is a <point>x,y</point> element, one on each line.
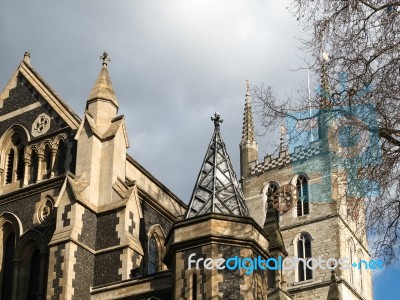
<point>41,125</point>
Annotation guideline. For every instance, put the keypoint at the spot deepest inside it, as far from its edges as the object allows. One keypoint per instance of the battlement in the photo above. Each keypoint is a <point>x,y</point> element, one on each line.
<point>285,158</point>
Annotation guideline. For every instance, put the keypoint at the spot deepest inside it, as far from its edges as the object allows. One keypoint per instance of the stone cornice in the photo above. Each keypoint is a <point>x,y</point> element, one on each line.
<point>32,189</point>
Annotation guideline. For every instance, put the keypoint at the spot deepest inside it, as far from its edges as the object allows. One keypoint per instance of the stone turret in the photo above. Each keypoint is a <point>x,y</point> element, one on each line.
<point>218,216</point>
<point>102,143</point>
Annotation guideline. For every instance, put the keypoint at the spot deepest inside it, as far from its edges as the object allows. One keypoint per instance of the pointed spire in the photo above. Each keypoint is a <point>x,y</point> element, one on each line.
<point>103,89</point>
<point>325,90</point>
<point>334,291</point>
<point>271,227</point>
<point>217,189</point>
<point>283,142</point>
<point>248,126</point>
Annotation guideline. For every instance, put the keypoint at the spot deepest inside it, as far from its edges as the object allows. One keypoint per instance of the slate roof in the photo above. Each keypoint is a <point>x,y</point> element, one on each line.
<point>217,189</point>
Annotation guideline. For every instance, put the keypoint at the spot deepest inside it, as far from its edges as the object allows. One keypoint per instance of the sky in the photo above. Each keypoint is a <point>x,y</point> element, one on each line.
<point>173,64</point>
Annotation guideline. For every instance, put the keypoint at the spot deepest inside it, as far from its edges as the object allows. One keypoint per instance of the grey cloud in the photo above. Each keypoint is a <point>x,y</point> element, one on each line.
<point>173,64</point>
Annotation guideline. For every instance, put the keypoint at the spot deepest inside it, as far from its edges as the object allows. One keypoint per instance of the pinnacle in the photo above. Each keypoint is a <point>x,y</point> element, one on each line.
<point>103,89</point>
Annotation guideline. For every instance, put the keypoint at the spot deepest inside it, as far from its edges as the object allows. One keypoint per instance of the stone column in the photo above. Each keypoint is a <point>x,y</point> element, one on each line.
<point>53,159</point>
<point>1,179</point>
<point>27,163</point>
<point>40,164</point>
<point>17,267</point>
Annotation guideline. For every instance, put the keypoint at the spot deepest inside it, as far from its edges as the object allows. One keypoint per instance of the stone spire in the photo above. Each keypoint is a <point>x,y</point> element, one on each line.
<point>248,126</point>
<point>248,145</point>
<point>325,90</point>
<point>216,189</point>
<point>102,105</point>
<point>334,291</point>
<point>283,142</point>
<point>103,89</point>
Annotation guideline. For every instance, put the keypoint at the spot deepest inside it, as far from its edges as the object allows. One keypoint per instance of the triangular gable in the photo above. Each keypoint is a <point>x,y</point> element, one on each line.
<point>44,90</point>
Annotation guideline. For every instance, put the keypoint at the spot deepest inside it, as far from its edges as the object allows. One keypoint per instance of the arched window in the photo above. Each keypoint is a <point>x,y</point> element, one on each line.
<point>302,196</point>
<point>10,165</point>
<point>34,167</point>
<point>61,157</point>
<point>362,263</point>
<point>304,272</point>
<point>194,286</point>
<point>351,248</point>
<point>152,266</point>
<point>272,192</point>
<point>20,163</point>
<point>271,280</point>
<point>8,265</point>
<point>34,275</point>
<point>14,159</point>
<point>47,163</point>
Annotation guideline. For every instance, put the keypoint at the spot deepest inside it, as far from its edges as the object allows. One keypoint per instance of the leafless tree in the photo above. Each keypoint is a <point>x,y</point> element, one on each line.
<point>362,38</point>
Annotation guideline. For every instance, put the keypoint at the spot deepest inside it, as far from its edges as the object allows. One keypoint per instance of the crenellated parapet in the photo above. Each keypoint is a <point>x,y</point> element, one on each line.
<point>284,158</point>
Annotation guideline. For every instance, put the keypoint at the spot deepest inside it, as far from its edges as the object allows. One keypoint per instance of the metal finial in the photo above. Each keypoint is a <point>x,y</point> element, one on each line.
<point>105,58</point>
<point>217,119</point>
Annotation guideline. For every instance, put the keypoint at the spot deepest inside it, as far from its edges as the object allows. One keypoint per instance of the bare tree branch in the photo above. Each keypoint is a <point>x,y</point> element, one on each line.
<point>362,38</point>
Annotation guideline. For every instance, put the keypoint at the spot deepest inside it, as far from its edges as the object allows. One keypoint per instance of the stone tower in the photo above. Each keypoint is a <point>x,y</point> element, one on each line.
<point>97,195</point>
<point>318,224</point>
<point>216,226</point>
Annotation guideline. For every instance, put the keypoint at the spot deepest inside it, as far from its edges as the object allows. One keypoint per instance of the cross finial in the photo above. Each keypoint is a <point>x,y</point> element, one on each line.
<point>217,119</point>
<point>105,58</point>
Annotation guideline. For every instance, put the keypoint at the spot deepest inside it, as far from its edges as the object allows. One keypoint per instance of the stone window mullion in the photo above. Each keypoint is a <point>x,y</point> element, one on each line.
<point>53,159</point>
<point>39,170</point>
<point>27,164</point>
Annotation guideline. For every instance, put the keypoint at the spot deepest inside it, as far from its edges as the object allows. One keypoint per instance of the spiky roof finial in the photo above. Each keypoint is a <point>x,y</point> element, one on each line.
<point>217,189</point>
<point>105,59</point>
<point>217,120</point>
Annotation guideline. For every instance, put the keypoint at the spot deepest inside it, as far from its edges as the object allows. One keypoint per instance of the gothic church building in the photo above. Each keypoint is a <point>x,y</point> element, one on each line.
<point>82,219</point>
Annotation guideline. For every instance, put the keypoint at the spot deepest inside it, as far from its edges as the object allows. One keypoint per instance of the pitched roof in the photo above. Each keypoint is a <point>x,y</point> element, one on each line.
<point>43,88</point>
<point>103,88</point>
<point>217,189</point>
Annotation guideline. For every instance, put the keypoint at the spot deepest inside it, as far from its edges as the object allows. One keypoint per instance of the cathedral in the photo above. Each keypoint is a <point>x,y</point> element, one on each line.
<point>82,219</point>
